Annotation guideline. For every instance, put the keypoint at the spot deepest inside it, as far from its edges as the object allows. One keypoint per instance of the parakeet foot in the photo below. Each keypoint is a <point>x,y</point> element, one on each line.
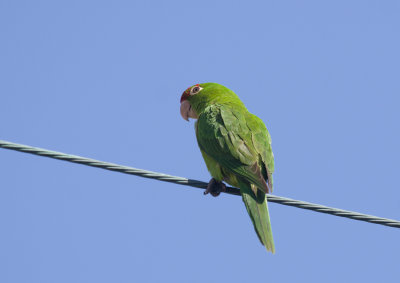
<point>215,187</point>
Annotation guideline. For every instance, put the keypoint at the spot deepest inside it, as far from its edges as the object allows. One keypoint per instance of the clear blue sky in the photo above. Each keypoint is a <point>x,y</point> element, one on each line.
<point>103,80</point>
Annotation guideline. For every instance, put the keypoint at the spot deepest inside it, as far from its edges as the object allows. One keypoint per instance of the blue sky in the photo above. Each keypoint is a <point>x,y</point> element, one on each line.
<point>103,80</point>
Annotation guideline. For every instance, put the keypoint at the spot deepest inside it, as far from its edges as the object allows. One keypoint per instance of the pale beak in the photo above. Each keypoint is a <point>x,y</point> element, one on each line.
<point>187,111</point>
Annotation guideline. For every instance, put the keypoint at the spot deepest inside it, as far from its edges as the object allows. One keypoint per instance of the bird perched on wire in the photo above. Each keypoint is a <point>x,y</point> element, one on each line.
<point>236,148</point>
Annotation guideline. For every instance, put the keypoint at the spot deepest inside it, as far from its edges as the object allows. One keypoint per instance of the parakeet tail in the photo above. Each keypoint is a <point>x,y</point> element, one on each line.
<point>257,208</point>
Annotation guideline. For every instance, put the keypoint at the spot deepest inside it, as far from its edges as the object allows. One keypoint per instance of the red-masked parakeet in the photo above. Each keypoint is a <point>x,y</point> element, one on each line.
<point>236,148</point>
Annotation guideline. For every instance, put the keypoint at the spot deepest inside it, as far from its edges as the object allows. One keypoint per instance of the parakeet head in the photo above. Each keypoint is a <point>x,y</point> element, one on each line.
<point>197,97</point>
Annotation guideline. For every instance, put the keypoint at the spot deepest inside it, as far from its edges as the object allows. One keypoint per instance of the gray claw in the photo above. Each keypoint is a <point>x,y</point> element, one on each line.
<point>215,187</point>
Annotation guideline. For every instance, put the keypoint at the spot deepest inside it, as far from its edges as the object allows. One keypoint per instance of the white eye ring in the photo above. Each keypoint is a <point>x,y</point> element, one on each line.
<point>195,89</point>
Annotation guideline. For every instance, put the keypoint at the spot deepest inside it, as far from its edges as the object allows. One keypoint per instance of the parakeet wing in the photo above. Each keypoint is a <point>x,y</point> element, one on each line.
<point>227,136</point>
<point>262,143</point>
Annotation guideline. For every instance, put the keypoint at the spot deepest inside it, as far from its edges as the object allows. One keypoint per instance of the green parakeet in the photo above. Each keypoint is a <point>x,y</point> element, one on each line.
<point>236,148</point>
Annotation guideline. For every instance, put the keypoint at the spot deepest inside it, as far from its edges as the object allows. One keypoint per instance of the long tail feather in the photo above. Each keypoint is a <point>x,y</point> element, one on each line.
<point>257,208</point>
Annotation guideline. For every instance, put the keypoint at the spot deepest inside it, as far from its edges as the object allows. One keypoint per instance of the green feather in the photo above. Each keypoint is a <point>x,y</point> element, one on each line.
<point>257,208</point>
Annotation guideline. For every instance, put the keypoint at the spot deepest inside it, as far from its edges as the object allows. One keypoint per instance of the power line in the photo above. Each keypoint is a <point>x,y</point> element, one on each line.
<point>194,183</point>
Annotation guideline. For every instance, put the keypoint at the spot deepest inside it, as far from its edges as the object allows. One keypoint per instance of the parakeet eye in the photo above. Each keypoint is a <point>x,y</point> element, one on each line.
<point>195,89</point>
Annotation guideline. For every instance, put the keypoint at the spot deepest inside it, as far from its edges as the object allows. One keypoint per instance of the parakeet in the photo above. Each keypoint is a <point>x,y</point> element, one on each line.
<point>236,148</point>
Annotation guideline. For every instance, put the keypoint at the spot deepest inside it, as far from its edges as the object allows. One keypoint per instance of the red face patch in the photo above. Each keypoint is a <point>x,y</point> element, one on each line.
<point>186,93</point>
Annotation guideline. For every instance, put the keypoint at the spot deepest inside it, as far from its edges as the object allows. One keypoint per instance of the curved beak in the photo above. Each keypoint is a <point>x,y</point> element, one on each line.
<point>187,111</point>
